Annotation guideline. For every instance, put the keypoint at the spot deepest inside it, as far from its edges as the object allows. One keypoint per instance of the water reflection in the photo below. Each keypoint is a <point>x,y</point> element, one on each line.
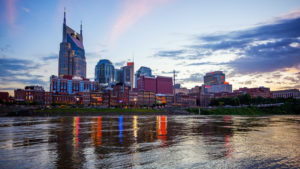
<point>161,128</point>
<point>121,129</point>
<point>96,131</point>
<point>150,141</point>
<point>75,131</point>
<point>135,127</point>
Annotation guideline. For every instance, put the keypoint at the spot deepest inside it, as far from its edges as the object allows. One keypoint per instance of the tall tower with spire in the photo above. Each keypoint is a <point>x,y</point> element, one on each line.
<point>71,54</point>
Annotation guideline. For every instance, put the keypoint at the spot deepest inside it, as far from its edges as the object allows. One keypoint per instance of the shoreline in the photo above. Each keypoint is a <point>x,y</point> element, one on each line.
<point>243,111</point>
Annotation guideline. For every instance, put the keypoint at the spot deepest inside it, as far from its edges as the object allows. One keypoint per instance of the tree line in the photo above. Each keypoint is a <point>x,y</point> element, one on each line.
<point>247,100</point>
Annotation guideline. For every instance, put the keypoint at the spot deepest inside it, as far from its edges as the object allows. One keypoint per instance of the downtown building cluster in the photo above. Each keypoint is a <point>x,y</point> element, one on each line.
<point>111,87</point>
<point>119,87</point>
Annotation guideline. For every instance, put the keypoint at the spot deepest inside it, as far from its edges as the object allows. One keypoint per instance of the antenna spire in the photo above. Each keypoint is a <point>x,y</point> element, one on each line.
<point>64,15</point>
<point>81,27</point>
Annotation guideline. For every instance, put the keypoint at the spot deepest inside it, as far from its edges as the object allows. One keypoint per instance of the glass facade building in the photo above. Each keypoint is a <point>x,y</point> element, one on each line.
<point>128,75</point>
<point>145,71</point>
<point>71,55</point>
<point>104,72</point>
<point>118,75</point>
<point>214,78</point>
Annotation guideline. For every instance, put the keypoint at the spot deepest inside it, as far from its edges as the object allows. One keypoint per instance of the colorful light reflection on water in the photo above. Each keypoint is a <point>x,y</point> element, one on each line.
<point>150,142</point>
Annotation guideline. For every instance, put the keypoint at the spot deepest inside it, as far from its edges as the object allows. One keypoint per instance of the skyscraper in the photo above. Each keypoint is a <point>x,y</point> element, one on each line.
<point>143,71</point>
<point>104,71</point>
<point>214,82</point>
<point>118,75</point>
<point>128,75</point>
<point>214,78</point>
<point>71,54</point>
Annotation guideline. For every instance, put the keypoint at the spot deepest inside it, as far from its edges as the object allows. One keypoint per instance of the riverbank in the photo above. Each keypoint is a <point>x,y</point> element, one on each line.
<point>285,109</point>
<point>96,112</point>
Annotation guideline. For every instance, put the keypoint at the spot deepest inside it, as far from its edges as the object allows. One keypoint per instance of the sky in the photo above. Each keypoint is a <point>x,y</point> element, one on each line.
<point>255,43</point>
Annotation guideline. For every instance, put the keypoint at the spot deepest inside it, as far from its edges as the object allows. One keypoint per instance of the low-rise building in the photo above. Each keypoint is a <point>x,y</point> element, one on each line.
<point>294,93</point>
<point>133,97</point>
<point>254,92</point>
<point>96,98</point>
<point>71,85</point>
<point>186,100</point>
<point>69,99</point>
<point>19,95</point>
<point>120,95</point>
<point>146,98</point>
<point>48,99</point>
<point>4,96</point>
<point>31,94</point>
<point>182,90</point>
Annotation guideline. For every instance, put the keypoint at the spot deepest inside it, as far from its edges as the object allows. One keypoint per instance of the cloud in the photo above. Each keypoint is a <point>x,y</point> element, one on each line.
<point>204,63</point>
<point>269,81</point>
<point>292,79</point>
<point>249,82</point>
<point>93,55</point>
<point>297,86</point>
<point>195,77</point>
<point>291,15</point>
<point>277,76</point>
<point>19,71</point>
<point>132,12</point>
<point>170,72</point>
<point>50,57</point>
<point>6,88</point>
<point>174,54</point>
<point>264,48</point>
<point>10,12</point>
<point>27,10</point>
<point>121,63</point>
<point>4,50</point>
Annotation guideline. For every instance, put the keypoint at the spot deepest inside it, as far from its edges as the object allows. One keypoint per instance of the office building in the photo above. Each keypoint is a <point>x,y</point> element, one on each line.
<point>214,78</point>
<point>254,92</point>
<point>146,83</point>
<point>71,54</point>
<point>214,82</point>
<point>128,75</point>
<point>104,72</point>
<point>219,88</point>
<point>71,85</point>
<point>294,93</point>
<point>164,85</point>
<point>159,85</point>
<point>118,75</point>
<point>144,71</point>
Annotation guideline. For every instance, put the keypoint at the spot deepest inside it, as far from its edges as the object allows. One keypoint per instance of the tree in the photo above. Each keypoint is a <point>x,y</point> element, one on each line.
<point>245,99</point>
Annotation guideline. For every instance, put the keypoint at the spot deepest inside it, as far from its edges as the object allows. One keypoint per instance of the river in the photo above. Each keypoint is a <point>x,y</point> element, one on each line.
<point>150,142</point>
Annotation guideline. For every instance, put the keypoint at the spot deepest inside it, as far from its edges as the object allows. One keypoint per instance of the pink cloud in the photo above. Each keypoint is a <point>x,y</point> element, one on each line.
<point>10,12</point>
<point>133,11</point>
<point>290,15</point>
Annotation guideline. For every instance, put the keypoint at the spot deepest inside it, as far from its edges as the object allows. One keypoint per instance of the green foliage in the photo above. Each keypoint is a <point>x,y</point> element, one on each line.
<point>247,100</point>
<point>291,106</point>
<point>98,110</point>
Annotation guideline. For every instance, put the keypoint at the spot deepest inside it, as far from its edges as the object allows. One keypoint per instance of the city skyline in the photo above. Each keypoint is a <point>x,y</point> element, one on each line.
<point>261,51</point>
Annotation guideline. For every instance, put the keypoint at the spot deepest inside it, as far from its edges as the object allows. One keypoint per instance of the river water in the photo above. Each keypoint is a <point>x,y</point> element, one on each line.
<point>150,142</point>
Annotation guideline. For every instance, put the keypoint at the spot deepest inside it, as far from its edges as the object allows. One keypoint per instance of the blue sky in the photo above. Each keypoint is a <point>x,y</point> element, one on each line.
<point>256,43</point>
